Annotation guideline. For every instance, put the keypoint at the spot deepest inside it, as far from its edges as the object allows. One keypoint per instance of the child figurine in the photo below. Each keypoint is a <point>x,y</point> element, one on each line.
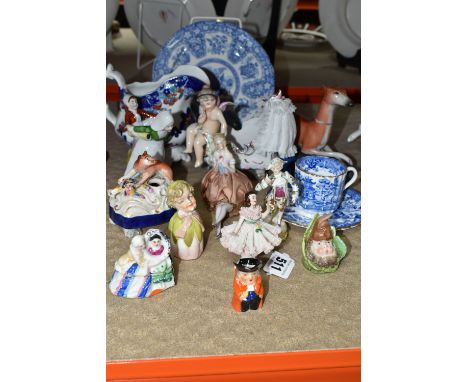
<point>321,248</point>
<point>144,272</point>
<point>223,186</point>
<point>210,121</point>
<point>251,236</point>
<point>278,197</point>
<point>248,288</point>
<point>185,227</point>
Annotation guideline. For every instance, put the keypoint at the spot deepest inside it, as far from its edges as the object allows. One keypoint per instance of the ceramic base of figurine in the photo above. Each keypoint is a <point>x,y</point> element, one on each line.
<point>129,285</point>
<point>183,252</point>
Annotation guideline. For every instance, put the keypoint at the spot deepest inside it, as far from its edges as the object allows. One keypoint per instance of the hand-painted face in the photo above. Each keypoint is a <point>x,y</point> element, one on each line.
<point>322,247</point>
<point>247,278</point>
<point>277,167</point>
<point>132,103</point>
<point>186,202</point>
<point>207,101</point>
<point>253,199</point>
<point>220,144</point>
<point>155,243</point>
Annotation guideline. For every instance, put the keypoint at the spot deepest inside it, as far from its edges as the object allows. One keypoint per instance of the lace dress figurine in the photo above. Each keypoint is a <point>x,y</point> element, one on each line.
<point>278,198</point>
<point>223,186</point>
<point>251,236</point>
<point>210,121</point>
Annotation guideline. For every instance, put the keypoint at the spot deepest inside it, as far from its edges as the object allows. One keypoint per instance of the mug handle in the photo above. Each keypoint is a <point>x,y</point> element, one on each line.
<point>353,179</point>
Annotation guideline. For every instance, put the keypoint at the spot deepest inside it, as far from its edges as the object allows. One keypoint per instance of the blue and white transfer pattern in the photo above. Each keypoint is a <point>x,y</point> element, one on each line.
<point>237,60</point>
<point>321,183</point>
<point>347,215</point>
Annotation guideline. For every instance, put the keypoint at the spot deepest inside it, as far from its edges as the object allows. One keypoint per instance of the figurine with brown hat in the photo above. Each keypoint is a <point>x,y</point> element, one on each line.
<point>248,288</point>
<point>322,249</point>
<point>210,121</point>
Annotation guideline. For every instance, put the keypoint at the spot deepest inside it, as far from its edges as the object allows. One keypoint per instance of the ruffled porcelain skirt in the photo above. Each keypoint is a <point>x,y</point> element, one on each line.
<point>229,188</point>
<point>252,239</point>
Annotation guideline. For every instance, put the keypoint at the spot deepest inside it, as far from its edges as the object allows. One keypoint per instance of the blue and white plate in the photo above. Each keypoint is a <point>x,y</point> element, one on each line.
<point>237,60</point>
<point>348,215</point>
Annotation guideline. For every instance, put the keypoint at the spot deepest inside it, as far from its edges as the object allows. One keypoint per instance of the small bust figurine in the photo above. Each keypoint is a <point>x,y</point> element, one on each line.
<point>248,288</point>
<point>321,246</point>
<point>185,227</point>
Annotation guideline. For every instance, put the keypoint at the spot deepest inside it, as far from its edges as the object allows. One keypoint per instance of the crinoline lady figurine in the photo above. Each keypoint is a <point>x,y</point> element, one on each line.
<point>223,186</point>
<point>279,196</point>
<point>210,121</point>
<point>146,269</point>
<point>251,236</point>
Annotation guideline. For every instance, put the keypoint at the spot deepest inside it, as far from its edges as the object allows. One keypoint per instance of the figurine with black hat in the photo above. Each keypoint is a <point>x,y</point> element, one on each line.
<point>248,287</point>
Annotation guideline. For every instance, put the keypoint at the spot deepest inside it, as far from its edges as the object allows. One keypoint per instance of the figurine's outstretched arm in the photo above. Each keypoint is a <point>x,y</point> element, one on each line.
<point>239,224</point>
<point>266,212</point>
<point>265,183</point>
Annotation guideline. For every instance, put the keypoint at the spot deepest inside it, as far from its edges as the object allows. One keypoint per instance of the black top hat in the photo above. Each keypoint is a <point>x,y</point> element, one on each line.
<point>248,265</point>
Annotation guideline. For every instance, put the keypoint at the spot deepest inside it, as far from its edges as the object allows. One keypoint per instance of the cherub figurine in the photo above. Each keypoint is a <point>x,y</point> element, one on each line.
<point>223,186</point>
<point>146,269</point>
<point>210,121</point>
<point>185,227</point>
<point>321,246</point>
<point>248,289</point>
<point>278,197</point>
<point>251,236</point>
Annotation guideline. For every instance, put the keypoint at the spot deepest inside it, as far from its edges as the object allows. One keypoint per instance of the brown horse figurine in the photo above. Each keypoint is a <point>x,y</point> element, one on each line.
<point>313,135</point>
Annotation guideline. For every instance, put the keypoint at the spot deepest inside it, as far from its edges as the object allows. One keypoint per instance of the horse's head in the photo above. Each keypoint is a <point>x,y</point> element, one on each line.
<point>337,97</point>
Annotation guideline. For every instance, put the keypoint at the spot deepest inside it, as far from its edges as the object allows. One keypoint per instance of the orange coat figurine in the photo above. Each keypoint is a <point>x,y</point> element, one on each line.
<point>248,287</point>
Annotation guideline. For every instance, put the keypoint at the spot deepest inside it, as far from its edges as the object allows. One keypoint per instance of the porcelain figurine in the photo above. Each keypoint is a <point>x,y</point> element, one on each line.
<point>149,136</point>
<point>248,288</point>
<point>279,196</point>
<point>250,235</point>
<point>139,200</point>
<point>185,227</point>
<point>271,133</point>
<point>210,121</point>
<point>322,249</point>
<point>171,93</point>
<point>146,269</point>
<point>148,166</point>
<point>223,186</point>
<point>314,135</point>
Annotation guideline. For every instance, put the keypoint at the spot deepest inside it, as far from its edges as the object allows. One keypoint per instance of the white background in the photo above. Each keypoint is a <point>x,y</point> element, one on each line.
<point>414,97</point>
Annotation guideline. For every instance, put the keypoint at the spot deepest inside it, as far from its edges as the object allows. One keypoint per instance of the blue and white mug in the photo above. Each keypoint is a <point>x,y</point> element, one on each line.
<point>322,182</point>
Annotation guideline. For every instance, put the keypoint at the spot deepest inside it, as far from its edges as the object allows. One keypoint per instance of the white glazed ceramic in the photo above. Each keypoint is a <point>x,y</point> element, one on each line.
<point>256,14</point>
<point>341,22</point>
<point>162,18</point>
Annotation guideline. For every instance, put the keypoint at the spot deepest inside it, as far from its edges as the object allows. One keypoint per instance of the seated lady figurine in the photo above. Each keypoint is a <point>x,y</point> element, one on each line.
<point>251,236</point>
<point>223,186</point>
<point>248,288</point>
<point>146,269</point>
<point>210,121</point>
<point>185,227</point>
